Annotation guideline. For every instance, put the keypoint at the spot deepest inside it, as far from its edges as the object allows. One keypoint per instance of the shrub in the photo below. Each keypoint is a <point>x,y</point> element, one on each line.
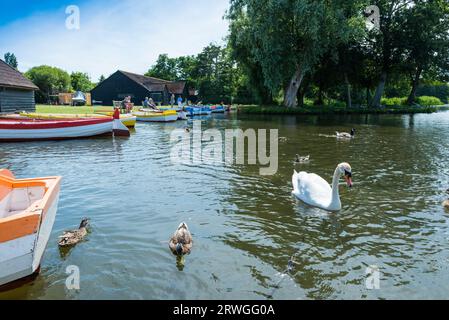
<point>429,101</point>
<point>390,102</point>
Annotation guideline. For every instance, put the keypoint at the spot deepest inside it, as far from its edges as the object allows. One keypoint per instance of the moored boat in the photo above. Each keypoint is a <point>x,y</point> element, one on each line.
<point>198,111</point>
<point>127,119</point>
<point>218,109</point>
<point>182,115</point>
<point>27,213</point>
<point>19,128</point>
<point>156,116</point>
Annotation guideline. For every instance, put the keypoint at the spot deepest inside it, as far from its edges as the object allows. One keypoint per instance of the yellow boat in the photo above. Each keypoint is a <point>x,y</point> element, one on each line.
<point>156,116</point>
<point>127,119</point>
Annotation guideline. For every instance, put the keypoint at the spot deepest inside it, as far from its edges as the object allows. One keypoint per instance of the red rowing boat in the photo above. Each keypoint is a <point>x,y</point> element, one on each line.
<point>18,128</point>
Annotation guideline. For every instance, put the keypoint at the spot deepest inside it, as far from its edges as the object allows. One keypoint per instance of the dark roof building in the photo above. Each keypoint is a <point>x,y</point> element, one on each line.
<point>122,84</point>
<point>16,91</point>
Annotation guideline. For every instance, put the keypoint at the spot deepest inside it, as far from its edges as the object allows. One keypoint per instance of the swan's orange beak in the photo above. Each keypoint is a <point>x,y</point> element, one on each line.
<point>348,178</point>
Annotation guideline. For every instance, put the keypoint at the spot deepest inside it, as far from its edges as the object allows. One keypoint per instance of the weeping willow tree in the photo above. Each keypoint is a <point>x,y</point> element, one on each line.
<point>287,38</point>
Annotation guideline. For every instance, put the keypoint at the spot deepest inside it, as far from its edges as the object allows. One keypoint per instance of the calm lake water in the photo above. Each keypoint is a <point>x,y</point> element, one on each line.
<point>245,226</point>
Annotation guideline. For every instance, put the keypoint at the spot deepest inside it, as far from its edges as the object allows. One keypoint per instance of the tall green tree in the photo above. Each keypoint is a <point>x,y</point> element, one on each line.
<point>81,82</point>
<point>10,59</point>
<point>427,41</point>
<point>50,80</point>
<point>288,38</point>
<point>252,84</point>
<point>386,45</point>
<point>164,68</point>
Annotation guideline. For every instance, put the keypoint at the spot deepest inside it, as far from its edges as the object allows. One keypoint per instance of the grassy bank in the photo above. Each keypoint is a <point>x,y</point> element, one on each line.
<point>316,110</point>
<point>71,110</point>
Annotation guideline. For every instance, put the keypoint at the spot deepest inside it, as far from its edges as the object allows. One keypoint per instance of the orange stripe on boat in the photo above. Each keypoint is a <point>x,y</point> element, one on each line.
<point>18,226</point>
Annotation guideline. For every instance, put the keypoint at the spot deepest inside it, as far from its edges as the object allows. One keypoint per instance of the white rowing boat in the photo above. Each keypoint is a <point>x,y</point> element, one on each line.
<point>27,213</point>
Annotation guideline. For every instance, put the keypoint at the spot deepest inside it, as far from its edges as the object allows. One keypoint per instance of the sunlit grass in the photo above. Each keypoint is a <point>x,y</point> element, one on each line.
<point>71,110</point>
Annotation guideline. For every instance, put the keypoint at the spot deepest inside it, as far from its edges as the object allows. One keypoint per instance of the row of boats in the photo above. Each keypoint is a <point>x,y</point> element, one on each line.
<point>37,126</point>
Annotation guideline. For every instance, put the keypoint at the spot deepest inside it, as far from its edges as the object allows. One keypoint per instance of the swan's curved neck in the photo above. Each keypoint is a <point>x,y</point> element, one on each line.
<point>335,191</point>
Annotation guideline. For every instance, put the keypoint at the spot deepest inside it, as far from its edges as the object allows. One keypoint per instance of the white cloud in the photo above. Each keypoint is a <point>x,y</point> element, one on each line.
<point>126,35</point>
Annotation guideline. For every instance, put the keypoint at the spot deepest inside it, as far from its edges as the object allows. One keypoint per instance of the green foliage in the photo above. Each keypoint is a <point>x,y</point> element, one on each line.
<point>422,101</point>
<point>391,102</point>
<point>11,59</point>
<point>439,90</point>
<point>81,82</point>
<point>288,37</point>
<point>429,101</point>
<point>50,80</point>
<point>165,68</point>
<point>213,72</point>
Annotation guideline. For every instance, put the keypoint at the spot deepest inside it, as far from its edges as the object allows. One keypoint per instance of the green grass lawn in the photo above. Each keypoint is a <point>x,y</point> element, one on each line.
<point>71,110</point>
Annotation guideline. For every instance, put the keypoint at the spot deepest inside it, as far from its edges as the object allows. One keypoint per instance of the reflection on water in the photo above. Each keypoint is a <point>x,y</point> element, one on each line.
<point>246,227</point>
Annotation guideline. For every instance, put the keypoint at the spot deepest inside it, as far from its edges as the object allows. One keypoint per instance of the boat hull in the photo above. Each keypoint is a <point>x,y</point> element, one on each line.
<point>218,109</point>
<point>24,237</point>
<point>36,130</point>
<point>198,111</point>
<point>167,116</point>
<point>182,115</point>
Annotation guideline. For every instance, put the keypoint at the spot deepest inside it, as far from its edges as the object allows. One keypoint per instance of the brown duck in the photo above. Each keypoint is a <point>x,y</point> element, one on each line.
<point>71,238</point>
<point>181,243</point>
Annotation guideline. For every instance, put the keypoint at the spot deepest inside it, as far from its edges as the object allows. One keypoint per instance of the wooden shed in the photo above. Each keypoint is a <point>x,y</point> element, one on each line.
<point>122,84</point>
<point>16,91</point>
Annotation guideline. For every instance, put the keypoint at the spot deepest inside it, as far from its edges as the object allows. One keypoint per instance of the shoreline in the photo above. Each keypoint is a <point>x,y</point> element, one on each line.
<point>306,110</point>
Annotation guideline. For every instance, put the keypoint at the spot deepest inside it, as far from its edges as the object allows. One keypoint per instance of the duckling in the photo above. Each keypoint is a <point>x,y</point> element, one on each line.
<point>299,159</point>
<point>71,238</point>
<point>181,243</point>
<point>346,135</point>
<point>446,203</point>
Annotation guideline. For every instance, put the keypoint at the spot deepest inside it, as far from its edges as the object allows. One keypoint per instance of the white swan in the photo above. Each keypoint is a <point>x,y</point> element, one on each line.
<point>345,135</point>
<point>315,191</point>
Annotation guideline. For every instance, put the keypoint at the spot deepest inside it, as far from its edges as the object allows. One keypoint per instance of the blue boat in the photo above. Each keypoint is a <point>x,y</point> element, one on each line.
<point>218,109</point>
<point>198,111</point>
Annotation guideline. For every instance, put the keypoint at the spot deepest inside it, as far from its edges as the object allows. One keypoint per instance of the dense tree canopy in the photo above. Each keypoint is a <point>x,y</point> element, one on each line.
<point>81,82</point>
<point>288,38</point>
<point>50,80</point>
<point>324,49</point>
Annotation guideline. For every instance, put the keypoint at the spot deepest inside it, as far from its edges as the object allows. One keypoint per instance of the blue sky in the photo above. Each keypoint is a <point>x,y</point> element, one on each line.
<point>113,34</point>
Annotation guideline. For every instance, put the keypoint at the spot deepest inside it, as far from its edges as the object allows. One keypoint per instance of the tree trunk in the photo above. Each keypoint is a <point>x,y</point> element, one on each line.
<point>293,87</point>
<point>300,97</point>
<point>379,91</point>
<point>320,100</point>
<point>415,83</point>
<point>368,97</point>
<point>348,92</point>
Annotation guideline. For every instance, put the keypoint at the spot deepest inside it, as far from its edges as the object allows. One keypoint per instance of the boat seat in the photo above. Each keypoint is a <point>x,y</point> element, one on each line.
<point>19,200</point>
